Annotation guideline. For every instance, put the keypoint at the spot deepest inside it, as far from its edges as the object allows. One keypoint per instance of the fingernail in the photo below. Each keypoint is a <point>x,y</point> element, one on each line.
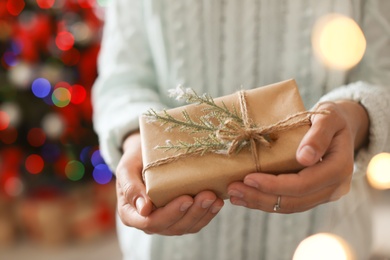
<point>239,203</point>
<point>308,153</point>
<point>139,204</point>
<point>207,203</point>
<point>185,206</point>
<point>251,183</point>
<point>215,209</point>
<point>235,193</point>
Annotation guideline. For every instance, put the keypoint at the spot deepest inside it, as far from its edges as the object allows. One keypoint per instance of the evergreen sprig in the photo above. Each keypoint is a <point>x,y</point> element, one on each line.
<point>210,122</point>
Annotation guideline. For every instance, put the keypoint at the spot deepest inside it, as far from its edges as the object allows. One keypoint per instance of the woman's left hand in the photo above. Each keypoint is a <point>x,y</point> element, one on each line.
<point>328,152</point>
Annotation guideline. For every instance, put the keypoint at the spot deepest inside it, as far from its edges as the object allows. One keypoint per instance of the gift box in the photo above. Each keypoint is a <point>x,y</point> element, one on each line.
<point>261,133</point>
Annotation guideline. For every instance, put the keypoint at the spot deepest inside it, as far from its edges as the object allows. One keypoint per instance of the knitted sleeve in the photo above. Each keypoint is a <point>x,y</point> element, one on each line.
<point>126,84</point>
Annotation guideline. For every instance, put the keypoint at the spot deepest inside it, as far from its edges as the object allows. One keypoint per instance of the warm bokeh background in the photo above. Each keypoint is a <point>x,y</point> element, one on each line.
<point>57,196</point>
<point>55,188</point>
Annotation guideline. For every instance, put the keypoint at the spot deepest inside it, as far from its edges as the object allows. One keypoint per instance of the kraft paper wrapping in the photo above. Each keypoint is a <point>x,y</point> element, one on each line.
<point>266,105</point>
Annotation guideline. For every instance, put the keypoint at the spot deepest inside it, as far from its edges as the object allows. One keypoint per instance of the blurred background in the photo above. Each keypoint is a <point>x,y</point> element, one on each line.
<point>57,196</point>
<point>56,192</point>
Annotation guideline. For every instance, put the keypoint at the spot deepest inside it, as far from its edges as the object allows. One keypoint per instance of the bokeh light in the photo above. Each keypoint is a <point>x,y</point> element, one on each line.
<point>15,7</point>
<point>378,171</point>
<point>9,135</point>
<point>323,246</point>
<point>10,58</point>
<point>4,120</point>
<point>74,170</point>
<point>82,32</point>
<point>53,125</point>
<point>78,94</point>
<point>96,158</point>
<point>64,40</point>
<point>13,111</point>
<point>102,174</point>
<point>34,164</point>
<point>84,154</point>
<point>41,87</point>
<point>61,97</point>
<point>45,4</point>
<point>13,186</point>
<point>36,137</point>
<point>21,75</point>
<point>338,41</point>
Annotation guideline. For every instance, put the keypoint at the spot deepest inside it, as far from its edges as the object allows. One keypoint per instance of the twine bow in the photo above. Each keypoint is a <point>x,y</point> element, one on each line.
<point>238,135</point>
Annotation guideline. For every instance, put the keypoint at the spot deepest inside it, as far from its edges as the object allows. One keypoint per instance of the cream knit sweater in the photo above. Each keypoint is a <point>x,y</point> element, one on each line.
<point>217,46</point>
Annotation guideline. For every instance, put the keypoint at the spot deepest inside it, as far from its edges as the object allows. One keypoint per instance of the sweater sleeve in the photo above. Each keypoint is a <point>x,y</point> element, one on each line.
<point>126,84</point>
<point>371,82</point>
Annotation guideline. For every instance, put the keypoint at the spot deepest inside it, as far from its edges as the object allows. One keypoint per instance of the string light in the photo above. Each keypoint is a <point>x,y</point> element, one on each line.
<point>378,171</point>
<point>323,246</point>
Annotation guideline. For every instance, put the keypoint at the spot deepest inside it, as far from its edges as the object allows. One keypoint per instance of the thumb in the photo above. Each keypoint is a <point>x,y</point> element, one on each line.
<point>129,176</point>
<point>135,195</point>
<point>307,155</point>
<point>317,140</point>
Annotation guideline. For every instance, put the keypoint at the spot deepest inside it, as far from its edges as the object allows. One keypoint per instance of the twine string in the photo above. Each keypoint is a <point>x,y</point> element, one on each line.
<point>237,135</point>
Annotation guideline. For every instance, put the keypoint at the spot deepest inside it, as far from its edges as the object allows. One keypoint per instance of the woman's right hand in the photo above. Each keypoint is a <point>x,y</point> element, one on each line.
<point>181,216</point>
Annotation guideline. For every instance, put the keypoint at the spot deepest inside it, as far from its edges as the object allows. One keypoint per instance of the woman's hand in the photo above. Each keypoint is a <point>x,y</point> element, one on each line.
<point>328,152</point>
<point>181,216</point>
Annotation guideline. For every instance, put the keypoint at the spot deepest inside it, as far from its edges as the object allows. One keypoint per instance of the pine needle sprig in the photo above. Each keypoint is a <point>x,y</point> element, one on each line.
<point>185,125</point>
<point>213,118</point>
<point>200,146</point>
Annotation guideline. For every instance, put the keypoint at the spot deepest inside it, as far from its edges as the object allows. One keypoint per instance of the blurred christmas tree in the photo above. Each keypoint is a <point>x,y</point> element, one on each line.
<point>48,51</point>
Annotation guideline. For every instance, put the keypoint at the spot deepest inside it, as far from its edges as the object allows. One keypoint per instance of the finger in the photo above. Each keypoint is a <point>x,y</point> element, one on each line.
<point>130,185</point>
<point>255,199</point>
<point>335,168</point>
<point>159,221</point>
<point>211,213</point>
<point>316,141</point>
<point>129,177</point>
<point>206,205</point>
